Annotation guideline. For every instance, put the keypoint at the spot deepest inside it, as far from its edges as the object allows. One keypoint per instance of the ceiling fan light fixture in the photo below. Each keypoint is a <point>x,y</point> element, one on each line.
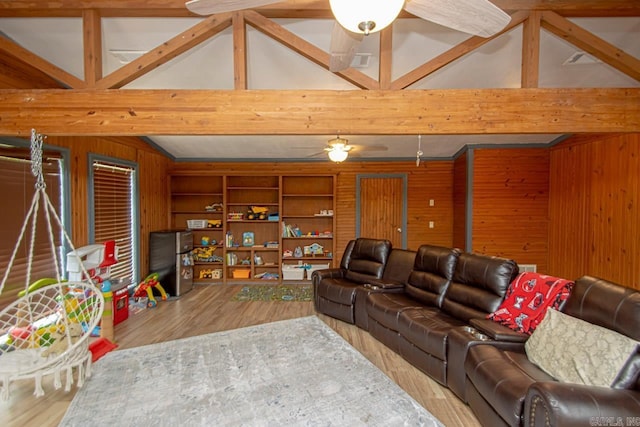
<point>365,16</point>
<point>338,155</point>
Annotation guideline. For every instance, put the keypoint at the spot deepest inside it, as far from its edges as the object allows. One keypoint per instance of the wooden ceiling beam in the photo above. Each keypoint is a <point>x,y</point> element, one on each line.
<point>306,49</point>
<point>592,44</point>
<point>36,62</point>
<point>256,112</point>
<point>168,50</point>
<point>92,45</point>
<point>530,70</point>
<point>239,52</point>
<point>453,54</point>
<point>286,9</point>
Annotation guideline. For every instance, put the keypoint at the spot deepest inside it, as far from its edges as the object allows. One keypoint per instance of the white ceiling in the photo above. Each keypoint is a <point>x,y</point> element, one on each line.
<point>273,66</point>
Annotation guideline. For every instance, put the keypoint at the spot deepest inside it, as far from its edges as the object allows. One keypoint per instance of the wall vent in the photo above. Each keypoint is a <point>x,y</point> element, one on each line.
<point>361,60</point>
<point>581,58</point>
<point>528,268</point>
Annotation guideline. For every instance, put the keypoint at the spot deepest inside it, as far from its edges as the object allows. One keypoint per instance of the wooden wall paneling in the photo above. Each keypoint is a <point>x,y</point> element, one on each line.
<point>459,226</point>
<point>431,181</point>
<point>599,211</point>
<point>568,211</point>
<point>510,204</point>
<point>153,201</point>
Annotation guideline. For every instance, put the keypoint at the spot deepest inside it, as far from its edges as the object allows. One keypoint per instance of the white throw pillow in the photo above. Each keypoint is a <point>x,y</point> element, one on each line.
<point>575,351</point>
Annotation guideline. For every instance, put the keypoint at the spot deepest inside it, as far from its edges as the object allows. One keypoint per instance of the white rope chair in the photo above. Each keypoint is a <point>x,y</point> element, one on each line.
<point>46,331</point>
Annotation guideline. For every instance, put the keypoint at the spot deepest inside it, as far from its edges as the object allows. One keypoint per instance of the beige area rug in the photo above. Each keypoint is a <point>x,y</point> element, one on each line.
<point>289,373</point>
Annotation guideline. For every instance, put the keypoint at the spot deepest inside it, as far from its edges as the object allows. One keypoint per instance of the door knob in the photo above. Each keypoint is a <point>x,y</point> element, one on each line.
<point>399,230</point>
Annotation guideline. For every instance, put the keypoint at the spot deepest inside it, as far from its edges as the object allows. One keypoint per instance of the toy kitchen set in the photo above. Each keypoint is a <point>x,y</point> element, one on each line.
<point>97,260</point>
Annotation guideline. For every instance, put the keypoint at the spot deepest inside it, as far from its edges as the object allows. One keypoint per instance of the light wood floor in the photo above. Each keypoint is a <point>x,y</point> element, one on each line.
<point>209,309</point>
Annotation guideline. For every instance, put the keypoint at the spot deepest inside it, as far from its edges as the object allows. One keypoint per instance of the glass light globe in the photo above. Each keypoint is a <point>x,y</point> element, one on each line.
<point>365,16</point>
<point>337,155</point>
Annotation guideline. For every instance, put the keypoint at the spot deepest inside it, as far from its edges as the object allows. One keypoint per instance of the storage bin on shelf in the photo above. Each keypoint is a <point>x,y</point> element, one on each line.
<point>293,272</point>
<point>196,223</point>
<point>241,273</point>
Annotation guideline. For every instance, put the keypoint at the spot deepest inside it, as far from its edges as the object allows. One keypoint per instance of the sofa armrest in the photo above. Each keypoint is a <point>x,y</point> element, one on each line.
<point>380,284</point>
<point>498,332</point>
<point>569,405</point>
<point>327,273</point>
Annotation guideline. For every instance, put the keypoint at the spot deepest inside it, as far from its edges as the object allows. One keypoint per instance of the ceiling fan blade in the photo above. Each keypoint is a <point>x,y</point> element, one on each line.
<point>343,48</point>
<point>211,7</point>
<point>370,148</point>
<point>477,17</point>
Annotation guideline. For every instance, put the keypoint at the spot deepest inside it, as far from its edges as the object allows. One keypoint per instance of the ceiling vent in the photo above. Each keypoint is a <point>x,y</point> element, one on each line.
<point>581,58</point>
<point>126,56</point>
<point>361,60</point>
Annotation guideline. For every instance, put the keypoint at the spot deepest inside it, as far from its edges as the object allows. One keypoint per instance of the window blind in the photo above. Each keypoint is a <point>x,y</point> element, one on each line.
<point>113,213</point>
<point>17,186</point>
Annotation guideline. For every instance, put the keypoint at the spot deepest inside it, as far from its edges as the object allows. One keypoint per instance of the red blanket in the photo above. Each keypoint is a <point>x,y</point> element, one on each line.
<point>528,298</point>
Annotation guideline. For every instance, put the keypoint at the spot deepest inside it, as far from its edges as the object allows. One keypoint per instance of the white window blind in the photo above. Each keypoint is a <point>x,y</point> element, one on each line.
<point>113,213</point>
<point>17,189</point>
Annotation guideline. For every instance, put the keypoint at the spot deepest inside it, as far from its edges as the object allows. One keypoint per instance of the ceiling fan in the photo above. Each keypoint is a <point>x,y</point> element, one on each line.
<point>357,18</point>
<point>338,149</point>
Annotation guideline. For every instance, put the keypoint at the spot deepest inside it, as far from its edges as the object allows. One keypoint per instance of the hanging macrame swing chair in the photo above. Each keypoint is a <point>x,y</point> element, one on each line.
<point>46,330</point>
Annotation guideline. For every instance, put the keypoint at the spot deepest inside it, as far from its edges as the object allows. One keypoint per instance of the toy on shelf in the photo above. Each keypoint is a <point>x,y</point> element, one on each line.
<point>145,289</point>
<point>257,212</point>
<point>214,207</point>
<point>214,223</point>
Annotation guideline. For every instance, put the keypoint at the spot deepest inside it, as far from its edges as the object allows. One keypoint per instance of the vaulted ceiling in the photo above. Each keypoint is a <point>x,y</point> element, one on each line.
<point>255,84</point>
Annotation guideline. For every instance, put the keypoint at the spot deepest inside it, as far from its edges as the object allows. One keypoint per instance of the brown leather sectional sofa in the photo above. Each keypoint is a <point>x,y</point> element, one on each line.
<point>430,306</point>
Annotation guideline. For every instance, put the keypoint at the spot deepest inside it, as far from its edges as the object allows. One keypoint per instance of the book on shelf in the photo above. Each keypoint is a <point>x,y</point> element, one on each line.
<point>290,231</point>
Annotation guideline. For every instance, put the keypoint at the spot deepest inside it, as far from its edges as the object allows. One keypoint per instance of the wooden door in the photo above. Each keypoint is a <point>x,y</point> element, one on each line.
<point>382,208</point>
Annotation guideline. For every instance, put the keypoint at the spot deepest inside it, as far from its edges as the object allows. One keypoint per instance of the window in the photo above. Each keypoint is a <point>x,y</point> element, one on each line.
<point>113,211</point>
<point>17,186</point>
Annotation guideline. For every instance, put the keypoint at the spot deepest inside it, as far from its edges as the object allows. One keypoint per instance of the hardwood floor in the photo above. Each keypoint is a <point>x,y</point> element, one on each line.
<point>208,309</point>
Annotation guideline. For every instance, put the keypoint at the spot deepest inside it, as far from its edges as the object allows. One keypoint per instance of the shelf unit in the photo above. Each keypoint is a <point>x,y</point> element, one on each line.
<point>304,201</point>
<point>243,192</point>
<point>190,196</point>
<point>308,205</point>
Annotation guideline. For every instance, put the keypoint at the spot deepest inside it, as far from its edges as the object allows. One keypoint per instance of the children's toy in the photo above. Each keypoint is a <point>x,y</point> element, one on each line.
<point>95,259</point>
<point>60,342</point>
<point>257,212</point>
<point>145,289</point>
<point>77,305</point>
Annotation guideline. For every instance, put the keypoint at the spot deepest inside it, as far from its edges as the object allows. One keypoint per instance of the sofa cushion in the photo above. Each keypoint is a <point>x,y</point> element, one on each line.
<point>385,308</point>
<point>575,351</point>
<point>478,286</point>
<point>367,259</point>
<point>337,290</point>
<point>432,273</point>
<point>527,299</point>
<point>502,378</point>
<point>427,329</point>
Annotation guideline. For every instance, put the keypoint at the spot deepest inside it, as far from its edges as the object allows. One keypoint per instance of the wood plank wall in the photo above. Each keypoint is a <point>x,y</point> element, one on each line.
<point>432,180</point>
<point>152,180</point>
<point>460,201</point>
<point>510,203</point>
<point>594,208</point>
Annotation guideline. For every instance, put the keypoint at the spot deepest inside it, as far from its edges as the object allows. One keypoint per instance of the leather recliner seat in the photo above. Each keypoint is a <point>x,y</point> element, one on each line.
<point>446,289</point>
<point>364,261</point>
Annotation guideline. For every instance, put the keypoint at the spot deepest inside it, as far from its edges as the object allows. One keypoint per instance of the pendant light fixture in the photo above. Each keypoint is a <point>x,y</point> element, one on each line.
<point>365,16</point>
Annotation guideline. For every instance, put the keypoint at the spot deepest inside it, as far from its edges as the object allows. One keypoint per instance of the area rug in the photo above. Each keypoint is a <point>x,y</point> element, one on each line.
<point>274,293</point>
<point>289,373</point>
